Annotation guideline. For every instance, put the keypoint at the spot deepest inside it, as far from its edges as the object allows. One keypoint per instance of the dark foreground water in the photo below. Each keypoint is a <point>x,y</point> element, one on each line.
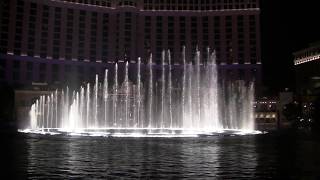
<point>238,157</point>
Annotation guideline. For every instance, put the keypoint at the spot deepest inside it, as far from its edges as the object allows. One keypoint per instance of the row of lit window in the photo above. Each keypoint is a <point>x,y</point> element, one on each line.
<point>265,102</point>
<point>305,60</point>
<point>83,14</point>
<point>173,4</point>
<point>202,4</point>
<point>198,5</point>
<point>262,115</point>
<point>204,25</point>
<point>198,1</point>
<point>56,69</point>
<point>106,3</point>
<point>81,32</point>
<point>43,70</point>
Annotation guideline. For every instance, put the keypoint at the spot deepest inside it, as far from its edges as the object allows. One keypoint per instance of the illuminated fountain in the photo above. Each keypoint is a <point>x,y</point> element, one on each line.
<point>184,100</point>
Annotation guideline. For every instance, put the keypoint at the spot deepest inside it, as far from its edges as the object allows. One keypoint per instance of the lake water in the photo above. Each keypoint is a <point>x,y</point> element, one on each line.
<point>263,156</point>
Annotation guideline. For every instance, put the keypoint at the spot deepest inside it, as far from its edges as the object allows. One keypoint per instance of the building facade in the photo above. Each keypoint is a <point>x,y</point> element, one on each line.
<point>307,70</point>
<point>307,73</point>
<point>50,40</point>
<point>266,113</point>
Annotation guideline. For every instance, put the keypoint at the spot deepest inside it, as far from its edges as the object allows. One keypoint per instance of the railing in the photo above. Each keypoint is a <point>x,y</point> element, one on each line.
<point>306,59</point>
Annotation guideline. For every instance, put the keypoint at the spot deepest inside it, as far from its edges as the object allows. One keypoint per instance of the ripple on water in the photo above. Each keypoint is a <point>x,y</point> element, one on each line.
<point>240,157</point>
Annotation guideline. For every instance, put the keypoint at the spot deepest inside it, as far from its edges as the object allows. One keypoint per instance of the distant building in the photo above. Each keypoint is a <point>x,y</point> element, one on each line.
<point>307,70</point>
<point>71,40</point>
<point>266,114</point>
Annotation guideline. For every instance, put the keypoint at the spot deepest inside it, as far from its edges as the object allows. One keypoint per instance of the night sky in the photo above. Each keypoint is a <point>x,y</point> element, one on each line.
<point>286,26</point>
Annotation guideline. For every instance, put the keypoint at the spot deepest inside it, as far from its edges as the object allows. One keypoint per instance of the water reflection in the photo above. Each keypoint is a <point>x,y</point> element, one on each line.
<point>203,155</point>
<point>78,157</point>
<point>30,156</point>
<point>238,156</point>
<point>47,156</point>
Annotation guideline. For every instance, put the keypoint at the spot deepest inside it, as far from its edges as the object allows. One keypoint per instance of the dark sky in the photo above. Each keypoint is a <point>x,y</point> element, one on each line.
<point>286,26</point>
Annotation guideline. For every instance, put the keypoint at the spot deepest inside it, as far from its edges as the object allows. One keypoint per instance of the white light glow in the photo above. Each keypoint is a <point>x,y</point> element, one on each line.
<point>307,59</point>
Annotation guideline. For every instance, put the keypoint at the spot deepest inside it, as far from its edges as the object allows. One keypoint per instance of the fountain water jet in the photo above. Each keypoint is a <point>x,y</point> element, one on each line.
<point>105,96</point>
<point>150,94</point>
<point>194,104</point>
<point>170,89</point>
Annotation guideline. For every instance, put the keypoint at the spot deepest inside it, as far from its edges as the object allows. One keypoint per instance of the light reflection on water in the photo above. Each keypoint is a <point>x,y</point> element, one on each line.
<point>221,157</point>
<point>77,157</point>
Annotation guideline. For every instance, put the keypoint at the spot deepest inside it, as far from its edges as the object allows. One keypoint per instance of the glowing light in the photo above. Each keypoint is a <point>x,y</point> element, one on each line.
<point>102,132</point>
<point>306,59</point>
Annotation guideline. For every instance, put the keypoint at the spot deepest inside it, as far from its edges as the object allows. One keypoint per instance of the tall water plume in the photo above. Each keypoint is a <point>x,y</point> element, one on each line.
<point>150,97</point>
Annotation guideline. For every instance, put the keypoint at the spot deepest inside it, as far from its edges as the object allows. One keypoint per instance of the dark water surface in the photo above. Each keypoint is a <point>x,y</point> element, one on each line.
<point>221,157</point>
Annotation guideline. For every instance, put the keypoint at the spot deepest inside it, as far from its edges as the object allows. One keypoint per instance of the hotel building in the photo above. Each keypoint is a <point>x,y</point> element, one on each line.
<point>56,41</point>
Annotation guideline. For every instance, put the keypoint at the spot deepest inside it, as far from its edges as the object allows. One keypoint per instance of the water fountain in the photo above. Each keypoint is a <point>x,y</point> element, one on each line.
<point>191,103</point>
